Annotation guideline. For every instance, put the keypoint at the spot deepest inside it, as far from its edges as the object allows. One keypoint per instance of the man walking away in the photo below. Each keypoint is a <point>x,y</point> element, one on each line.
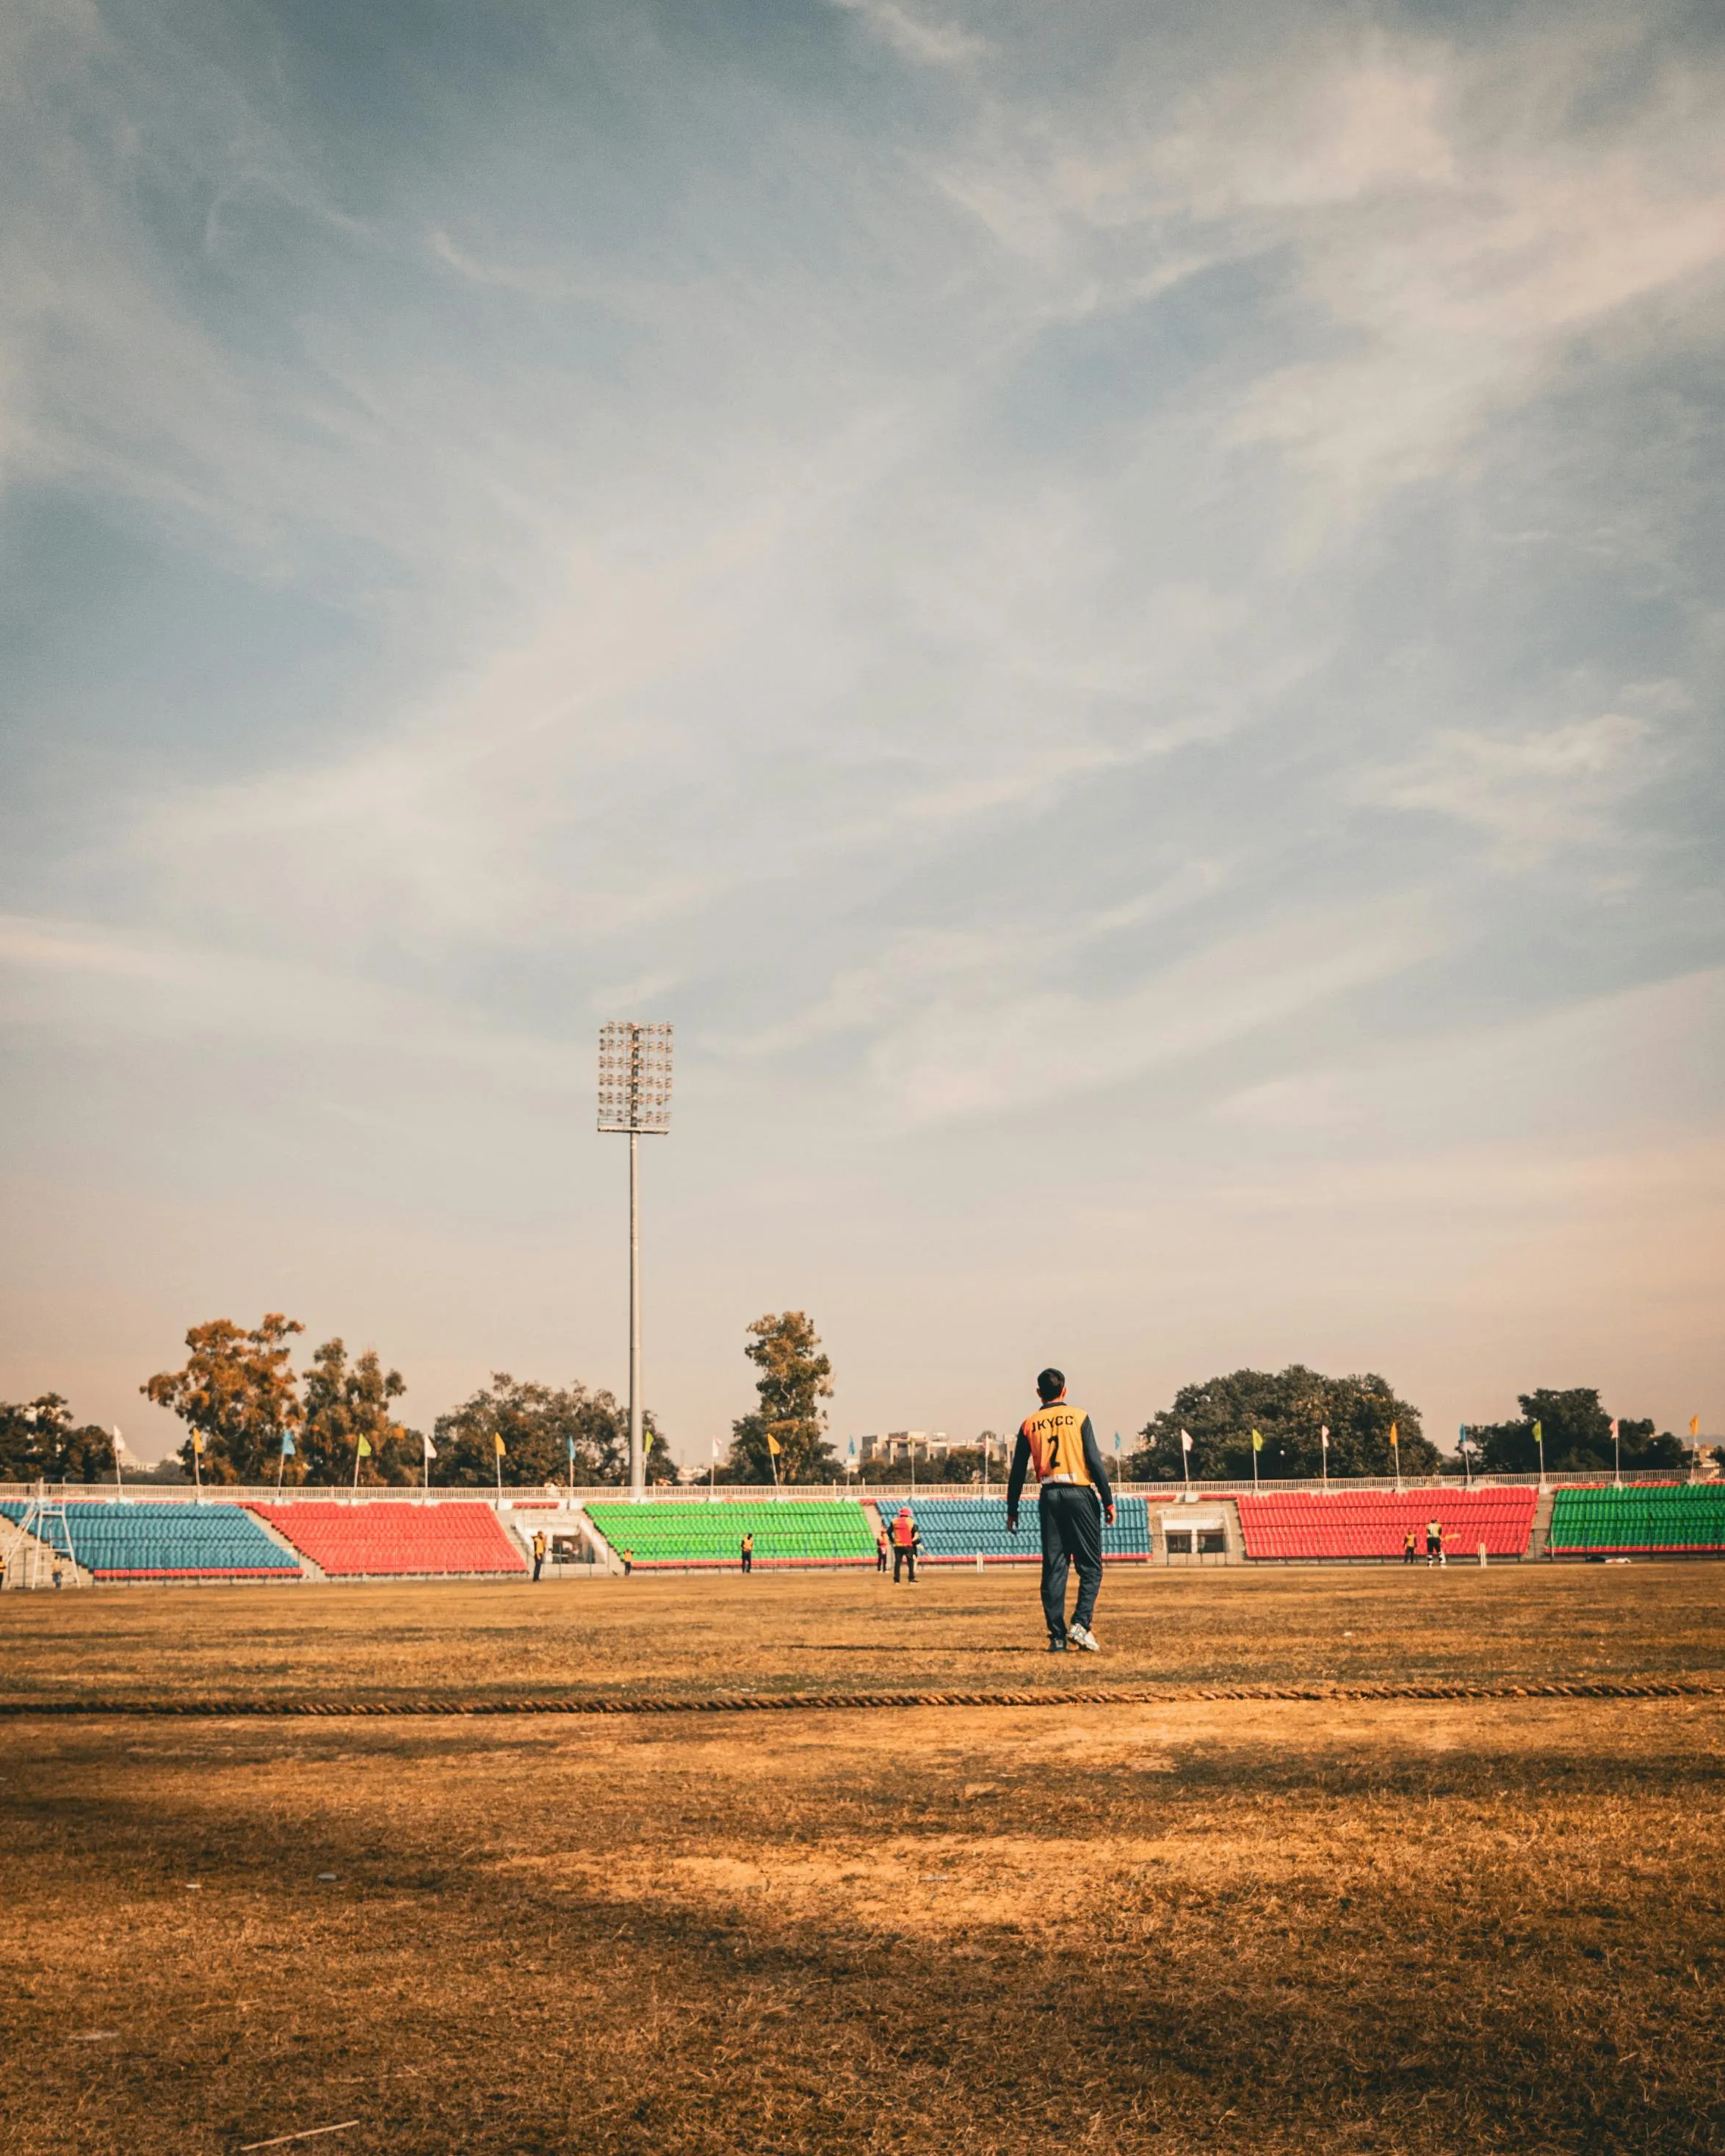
<point>1059,1443</point>
<point>748,1552</point>
<point>904,1545</point>
<point>1433,1542</point>
<point>538,1554</point>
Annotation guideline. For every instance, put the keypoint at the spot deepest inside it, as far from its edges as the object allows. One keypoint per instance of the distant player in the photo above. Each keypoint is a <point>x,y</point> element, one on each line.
<point>905,1542</point>
<point>1059,1443</point>
<point>748,1552</point>
<point>538,1552</point>
<point>881,1549</point>
<point>1433,1542</point>
<point>1409,1549</point>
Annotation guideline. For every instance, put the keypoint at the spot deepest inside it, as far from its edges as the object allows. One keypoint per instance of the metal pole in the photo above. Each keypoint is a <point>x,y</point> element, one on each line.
<point>637,1458</point>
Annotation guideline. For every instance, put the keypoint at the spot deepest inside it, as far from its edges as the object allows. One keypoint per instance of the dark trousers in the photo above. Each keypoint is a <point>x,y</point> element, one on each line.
<point>1071,1534</point>
<point>749,1560</point>
<point>901,1556</point>
<point>879,1560</point>
<point>537,1563</point>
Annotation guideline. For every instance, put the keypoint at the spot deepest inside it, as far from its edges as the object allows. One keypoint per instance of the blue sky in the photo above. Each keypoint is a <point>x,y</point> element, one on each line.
<point>1115,609</point>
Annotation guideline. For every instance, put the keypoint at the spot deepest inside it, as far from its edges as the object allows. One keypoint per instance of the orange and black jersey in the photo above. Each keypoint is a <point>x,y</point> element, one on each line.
<point>1059,1443</point>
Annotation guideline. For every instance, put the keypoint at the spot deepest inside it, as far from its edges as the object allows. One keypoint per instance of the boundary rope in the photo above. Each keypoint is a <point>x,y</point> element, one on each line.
<point>826,1702</point>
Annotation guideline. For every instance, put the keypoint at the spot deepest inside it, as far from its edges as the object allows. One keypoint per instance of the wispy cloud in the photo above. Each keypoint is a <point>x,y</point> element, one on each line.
<point>914,36</point>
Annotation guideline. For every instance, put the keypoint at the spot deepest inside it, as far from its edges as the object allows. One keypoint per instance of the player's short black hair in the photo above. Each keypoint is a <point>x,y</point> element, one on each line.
<point>1050,1385</point>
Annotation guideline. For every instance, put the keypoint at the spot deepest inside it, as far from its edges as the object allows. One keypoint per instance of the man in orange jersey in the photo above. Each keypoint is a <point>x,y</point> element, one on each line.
<point>906,1543</point>
<point>1059,1443</point>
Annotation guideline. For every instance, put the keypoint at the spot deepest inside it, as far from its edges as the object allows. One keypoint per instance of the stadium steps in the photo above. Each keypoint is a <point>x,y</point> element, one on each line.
<point>1539,1536</point>
<point>19,1547</point>
<point>309,1567</point>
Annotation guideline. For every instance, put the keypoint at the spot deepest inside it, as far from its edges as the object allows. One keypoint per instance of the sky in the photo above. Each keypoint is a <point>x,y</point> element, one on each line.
<point>1116,610</point>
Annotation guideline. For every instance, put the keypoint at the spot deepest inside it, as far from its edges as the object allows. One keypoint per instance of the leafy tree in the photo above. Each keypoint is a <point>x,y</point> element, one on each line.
<point>795,1377</point>
<point>1289,1409</point>
<point>39,1442</point>
<point>238,1391</point>
<point>1578,1437</point>
<point>536,1425</point>
<point>343,1404</point>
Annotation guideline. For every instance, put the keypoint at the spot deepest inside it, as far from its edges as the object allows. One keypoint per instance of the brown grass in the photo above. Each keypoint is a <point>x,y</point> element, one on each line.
<point>1254,1926</point>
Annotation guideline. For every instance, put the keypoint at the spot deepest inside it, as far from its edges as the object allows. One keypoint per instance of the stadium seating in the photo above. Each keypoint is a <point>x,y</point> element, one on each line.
<point>388,1539</point>
<point>168,1541</point>
<point>1606,1523</point>
<point>958,1529</point>
<point>1373,1523</point>
<point>788,1531</point>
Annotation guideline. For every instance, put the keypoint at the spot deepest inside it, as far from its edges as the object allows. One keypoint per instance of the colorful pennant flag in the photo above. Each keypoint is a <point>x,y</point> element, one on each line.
<point>1185,1440</point>
<point>773,1443</point>
<point>497,1441</point>
<point>1257,1440</point>
<point>365,1449</point>
<point>1695,1425</point>
<point>288,1446</point>
<point>1395,1438</point>
<point>427,1446</point>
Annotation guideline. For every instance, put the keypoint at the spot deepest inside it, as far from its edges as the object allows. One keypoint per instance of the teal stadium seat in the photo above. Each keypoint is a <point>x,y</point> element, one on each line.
<point>133,1540</point>
<point>958,1529</point>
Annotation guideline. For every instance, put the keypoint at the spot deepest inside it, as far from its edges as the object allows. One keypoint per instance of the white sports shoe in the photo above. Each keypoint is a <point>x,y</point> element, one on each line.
<point>1081,1635</point>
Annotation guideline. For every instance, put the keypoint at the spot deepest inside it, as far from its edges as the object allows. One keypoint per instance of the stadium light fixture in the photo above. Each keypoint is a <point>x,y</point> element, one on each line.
<point>634,1099</point>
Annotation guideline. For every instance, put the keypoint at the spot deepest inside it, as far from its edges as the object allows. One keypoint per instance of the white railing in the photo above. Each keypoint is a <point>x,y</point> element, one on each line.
<point>534,1498</point>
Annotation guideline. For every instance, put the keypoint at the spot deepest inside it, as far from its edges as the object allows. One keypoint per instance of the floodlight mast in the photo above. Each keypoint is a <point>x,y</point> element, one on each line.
<point>634,1097</point>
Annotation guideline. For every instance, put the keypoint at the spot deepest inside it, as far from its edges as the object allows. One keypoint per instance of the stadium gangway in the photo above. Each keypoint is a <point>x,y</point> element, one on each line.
<point>33,1536</point>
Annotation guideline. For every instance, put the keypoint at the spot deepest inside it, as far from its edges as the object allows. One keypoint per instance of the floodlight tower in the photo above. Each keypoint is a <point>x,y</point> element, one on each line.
<point>634,1096</point>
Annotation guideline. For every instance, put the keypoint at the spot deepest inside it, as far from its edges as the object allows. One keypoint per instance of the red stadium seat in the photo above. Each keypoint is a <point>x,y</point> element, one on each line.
<point>387,1538</point>
<point>1373,1523</point>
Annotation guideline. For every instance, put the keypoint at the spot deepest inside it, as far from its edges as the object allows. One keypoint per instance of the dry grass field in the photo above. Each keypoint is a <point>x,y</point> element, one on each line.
<point>1250,1925</point>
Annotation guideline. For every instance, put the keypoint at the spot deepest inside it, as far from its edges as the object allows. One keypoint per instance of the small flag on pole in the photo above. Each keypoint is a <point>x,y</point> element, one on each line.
<point>197,1440</point>
<point>426,1444</point>
<point>1394,1437</point>
<point>1614,1429</point>
<point>773,1443</point>
<point>1257,1440</point>
<point>119,1441</point>
<point>716,1448</point>
<point>1539,1433</point>
<point>1323,1437</point>
<point>365,1449</point>
<point>288,1447</point>
<point>1185,1440</point>
<point>1695,1425</point>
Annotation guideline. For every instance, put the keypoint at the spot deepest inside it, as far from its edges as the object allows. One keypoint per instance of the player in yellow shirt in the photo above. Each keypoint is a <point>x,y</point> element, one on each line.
<point>1075,1498</point>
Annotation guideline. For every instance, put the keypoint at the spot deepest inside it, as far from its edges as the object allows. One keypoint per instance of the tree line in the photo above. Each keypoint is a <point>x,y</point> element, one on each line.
<point>251,1419</point>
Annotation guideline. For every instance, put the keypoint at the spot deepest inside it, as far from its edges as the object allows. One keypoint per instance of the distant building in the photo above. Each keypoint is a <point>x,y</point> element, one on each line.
<point>908,1444</point>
